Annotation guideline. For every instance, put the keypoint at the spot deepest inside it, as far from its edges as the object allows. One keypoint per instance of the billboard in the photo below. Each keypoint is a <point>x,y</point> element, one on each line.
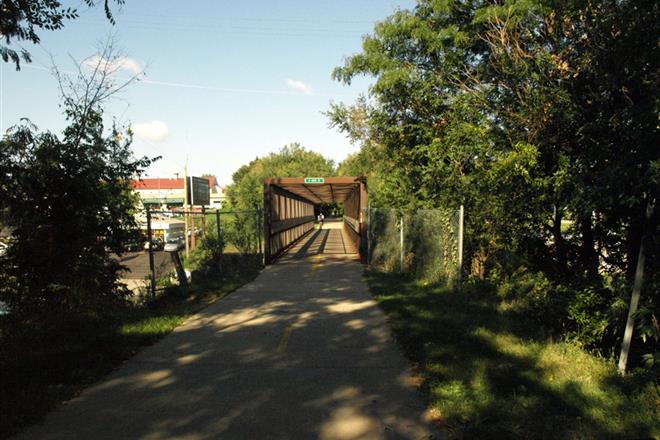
<point>199,193</point>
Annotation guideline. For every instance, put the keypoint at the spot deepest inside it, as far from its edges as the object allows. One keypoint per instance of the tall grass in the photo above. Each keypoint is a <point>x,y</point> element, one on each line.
<point>487,373</point>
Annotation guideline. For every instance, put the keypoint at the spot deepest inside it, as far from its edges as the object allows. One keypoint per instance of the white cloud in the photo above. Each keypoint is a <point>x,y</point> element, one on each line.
<point>115,65</point>
<point>300,86</point>
<point>152,131</point>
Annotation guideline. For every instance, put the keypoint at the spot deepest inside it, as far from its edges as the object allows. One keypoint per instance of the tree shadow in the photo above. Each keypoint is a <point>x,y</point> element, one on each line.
<point>301,352</point>
<point>490,376</point>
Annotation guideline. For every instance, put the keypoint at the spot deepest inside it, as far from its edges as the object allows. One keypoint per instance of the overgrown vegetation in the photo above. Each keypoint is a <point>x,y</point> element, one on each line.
<point>541,119</point>
<point>490,372</point>
<point>246,190</point>
<point>69,204</point>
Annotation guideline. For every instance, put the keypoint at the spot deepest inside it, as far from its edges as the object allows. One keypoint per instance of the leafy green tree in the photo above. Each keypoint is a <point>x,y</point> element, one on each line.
<point>69,202</point>
<point>540,117</point>
<point>293,160</point>
<point>22,19</point>
<point>246,191</point>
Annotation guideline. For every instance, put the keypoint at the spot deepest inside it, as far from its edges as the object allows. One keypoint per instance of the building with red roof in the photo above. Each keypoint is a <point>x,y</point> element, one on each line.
<point>167,193</point>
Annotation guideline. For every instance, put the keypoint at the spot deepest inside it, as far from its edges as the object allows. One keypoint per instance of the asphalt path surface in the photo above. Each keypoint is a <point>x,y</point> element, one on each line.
<point>302,352</point>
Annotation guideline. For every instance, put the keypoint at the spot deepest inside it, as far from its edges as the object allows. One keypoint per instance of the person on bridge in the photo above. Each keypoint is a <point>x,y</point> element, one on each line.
<point>320,218</point>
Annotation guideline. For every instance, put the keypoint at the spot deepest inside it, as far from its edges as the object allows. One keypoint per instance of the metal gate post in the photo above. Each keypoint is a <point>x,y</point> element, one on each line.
<point>401,241</point>
<point>217,225</point>
<point>461,214</point>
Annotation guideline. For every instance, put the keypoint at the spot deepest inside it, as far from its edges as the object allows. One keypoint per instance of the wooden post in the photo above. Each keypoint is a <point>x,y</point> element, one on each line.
<point>180,272</point>
<point>152,270</point>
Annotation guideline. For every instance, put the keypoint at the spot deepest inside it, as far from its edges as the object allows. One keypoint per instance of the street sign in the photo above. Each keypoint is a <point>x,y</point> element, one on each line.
<point>316,180</point>
<point>199,193</point>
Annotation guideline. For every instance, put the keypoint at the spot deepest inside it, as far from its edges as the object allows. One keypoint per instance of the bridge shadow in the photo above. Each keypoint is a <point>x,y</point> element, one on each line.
<point>328,242</point>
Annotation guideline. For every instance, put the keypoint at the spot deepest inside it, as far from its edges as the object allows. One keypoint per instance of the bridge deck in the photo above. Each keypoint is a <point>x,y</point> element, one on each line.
<point>331,241</point>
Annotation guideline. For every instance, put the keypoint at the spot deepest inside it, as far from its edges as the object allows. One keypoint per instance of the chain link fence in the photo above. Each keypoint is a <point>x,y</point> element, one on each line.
<point>424,244</point>
<point>181,242</point>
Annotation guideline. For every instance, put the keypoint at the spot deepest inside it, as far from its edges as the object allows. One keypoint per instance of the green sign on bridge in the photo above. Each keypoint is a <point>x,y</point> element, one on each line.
<point>314,180</point>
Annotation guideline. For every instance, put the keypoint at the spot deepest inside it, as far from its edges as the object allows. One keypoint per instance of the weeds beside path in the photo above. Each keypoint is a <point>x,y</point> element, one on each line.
<point>486,375</point>
<point>37,372</point>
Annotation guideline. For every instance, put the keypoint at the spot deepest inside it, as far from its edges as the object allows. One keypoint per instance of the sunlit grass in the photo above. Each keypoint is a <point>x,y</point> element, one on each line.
<point>486,374</point>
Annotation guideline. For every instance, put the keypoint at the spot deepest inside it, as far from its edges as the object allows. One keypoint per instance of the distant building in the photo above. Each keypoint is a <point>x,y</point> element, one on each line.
<point>166,193</point>
<point>218,193</point>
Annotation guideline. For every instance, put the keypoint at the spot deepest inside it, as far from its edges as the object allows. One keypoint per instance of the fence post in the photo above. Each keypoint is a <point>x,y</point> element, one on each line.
<point>152,281</point>
<point>369,233</point>
<point>461,216</point>
<point>217,225</point>
<point>203,221</point>
<point>401,242</point>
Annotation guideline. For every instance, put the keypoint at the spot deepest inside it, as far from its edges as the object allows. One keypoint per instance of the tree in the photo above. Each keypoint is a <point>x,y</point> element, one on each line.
<point>69,202</point>
<point>245,193</point>
<point>293,160</point>
<point>22,19</point>
<point>540,117</point>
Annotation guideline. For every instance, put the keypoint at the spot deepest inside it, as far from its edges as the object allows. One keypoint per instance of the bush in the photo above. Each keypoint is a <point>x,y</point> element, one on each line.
<point>535,296</point>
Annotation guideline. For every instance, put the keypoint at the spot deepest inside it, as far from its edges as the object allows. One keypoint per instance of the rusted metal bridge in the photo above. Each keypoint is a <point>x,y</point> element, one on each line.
<point>289,211</point>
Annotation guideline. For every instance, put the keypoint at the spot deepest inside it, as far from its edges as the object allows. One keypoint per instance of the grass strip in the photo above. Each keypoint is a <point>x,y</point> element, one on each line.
<point>38,372</point>
<point>486,374</point>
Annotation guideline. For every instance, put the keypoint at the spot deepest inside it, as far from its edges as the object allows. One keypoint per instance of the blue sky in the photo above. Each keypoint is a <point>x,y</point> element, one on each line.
<point>226,81</point>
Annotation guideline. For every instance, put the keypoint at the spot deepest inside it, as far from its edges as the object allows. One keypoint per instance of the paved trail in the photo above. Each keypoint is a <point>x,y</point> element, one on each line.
<point>302,352</point>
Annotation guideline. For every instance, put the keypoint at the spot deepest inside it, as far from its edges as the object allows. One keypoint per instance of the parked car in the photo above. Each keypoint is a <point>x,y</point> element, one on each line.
<point>157,244</point>
<point>175,244</point>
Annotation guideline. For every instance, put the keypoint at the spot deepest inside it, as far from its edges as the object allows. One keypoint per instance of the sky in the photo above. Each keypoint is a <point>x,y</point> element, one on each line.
<point>222,82</point>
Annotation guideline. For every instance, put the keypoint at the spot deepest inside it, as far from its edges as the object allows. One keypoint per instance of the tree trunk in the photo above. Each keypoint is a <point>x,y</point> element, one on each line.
<point>588,256</point>
<point>560,244</point>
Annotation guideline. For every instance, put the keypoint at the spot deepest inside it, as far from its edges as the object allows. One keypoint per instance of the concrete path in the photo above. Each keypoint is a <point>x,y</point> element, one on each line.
<point>303,352</point>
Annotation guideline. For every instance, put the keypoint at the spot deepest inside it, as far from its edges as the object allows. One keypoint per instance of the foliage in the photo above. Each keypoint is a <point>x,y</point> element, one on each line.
<point>69,202</point>
<point>488,372</point>
<point>243,229</point>
<point>21,19</point>
<point>208,253</point>
<point>528,113</point>
<point>246,191</point>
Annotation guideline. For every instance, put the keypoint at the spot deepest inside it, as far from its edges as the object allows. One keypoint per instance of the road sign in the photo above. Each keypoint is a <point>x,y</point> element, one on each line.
<point>198,191</point>
<point>316,180</point>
